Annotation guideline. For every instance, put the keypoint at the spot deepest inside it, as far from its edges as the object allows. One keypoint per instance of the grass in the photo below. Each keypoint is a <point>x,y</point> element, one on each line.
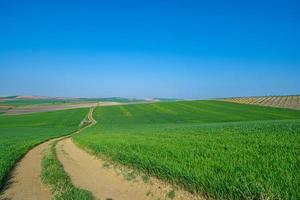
<point>218,149</point>
<point>113,99</point>
<point>28,102</point>
<point>171,194</point>
<point>19,133</point>
<point>54,175</point>
<point>60,183</point>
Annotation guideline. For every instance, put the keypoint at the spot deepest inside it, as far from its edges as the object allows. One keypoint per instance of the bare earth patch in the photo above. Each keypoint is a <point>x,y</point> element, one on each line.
<point>45,108</point>
<point>292,102</point>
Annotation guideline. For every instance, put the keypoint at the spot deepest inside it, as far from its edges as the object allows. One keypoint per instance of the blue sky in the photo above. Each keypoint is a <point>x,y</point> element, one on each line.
<point>184,49</point>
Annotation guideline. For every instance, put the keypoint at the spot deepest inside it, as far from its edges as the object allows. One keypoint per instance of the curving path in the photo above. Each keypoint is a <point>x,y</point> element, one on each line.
<point>86,172</point>
<point>90,173</point>
<point>25,182</point>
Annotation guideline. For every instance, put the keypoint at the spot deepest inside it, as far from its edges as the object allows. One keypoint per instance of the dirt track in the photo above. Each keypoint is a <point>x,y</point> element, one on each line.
<point>87,172</point>
<point>25,182</point>
<point>112,182</point>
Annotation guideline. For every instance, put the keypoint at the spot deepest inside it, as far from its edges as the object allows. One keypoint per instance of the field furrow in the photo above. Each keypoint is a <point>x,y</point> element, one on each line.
<point>292,102</point>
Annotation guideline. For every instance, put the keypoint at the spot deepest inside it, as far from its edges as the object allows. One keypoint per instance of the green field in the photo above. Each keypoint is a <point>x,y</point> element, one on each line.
<point>28,102</point>
<point>217,149</point>
<point>20,133</point>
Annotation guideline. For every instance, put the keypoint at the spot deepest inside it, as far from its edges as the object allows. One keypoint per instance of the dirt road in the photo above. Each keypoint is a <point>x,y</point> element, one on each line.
<point>87,172</point>
<point>25,182</point>
<point>112,182</point>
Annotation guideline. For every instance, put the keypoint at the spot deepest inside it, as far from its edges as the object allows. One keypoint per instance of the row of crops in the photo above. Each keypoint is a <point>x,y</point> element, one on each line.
<point>292,102</point>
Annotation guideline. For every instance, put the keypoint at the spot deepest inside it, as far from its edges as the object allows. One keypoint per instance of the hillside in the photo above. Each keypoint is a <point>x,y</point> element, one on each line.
<point>217,149</point>
<point>292,102</point>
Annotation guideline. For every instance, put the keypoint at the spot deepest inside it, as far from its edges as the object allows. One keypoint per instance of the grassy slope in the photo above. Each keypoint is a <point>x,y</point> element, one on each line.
<point>21,132</point>
<point>222,150</point>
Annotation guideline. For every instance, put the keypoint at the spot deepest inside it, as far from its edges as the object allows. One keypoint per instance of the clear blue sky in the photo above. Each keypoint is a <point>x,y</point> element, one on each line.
<point>134,48</point>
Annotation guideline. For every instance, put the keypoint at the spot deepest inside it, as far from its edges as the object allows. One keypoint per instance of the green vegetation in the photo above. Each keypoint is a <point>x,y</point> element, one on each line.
<point>217,149</point>
<point>20,133</point>
<point>171,194</point>
<point>28,102</point>
<point>167,99</point>
<point>112,99</point>
<point>12,101</point>
<point>8,97</point>
<point>60,183</point>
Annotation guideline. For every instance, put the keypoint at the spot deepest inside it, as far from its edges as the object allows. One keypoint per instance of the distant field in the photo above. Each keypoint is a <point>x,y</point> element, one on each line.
<point>45,108</point>
<point>27,102</point>
<point>5,108</point>
<point>292,102</point>
<point>12,105</point>
<point>20,133</point>
<point>19,101</point>
<point>218,149</point>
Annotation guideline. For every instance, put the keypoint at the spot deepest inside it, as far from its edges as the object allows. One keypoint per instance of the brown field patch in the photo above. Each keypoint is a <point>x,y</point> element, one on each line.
<point>291,102</point>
